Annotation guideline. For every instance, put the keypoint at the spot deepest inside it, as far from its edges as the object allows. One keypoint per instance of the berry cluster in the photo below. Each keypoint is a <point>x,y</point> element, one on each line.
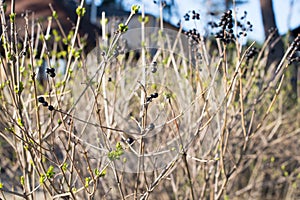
<point>251,53</point>
<point>213,24</point>
<point>226,25</point>
<point>195,16</point>
<point>152,96</point>
<point>193,34</point>
<point>226,33</point>
<point>51,72</point>
<point>45,103</point>
<point>244,27</point>
<point>154,67</point>
<point>295,47</point>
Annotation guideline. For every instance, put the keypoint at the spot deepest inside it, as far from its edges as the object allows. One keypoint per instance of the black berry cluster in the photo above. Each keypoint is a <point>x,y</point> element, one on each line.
<point>226,33</point>
<point>244,27</point>
<point>152,96</point>
<point>51,72</point>
<point>195,15</point>
<point>251,53</point>
<point>45,103</point>
<point>193,34</point>
<point>213,24</point>
<point>294,57</point>
<point>226,27</point>
<point>154,67</point>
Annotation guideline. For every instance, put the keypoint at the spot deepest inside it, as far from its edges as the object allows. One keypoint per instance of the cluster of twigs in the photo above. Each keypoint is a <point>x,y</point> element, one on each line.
<point>188,121</point>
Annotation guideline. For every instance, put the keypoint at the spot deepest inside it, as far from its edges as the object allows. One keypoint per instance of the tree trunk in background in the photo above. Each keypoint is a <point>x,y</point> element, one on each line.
<point>276,47</point>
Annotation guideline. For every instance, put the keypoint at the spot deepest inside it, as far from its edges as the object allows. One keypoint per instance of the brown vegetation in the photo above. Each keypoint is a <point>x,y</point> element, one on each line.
<point>190,121</point>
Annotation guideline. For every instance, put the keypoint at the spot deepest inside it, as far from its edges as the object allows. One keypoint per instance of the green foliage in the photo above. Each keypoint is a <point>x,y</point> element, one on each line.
<point>42,178</point>
<point>57,37</point>
<point>50,172</point>
<point>80,11</point>
<point>199,115</point>
<point>145,19</point>
<point>76,53</point>
<point>39,62</point>
<point>115,154</point>
<point>20,123</point>
<point>62,54</point>
<point>54,15</point>
<point>135,9</point>
<point>65,167</point>
<point>19,89</point>
<point>272,159</point>
<point>168,95</point>
<point>12,17</point>
<point>74,189</point>
<point>100,173</point>
<point>123,28</point>
<point>87,181</point>
<point>103,21</point>
<point>10,129</point>
<point>22,180</point>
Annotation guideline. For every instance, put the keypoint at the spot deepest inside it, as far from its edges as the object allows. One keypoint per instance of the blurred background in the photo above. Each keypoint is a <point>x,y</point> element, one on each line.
<point>286,13</point>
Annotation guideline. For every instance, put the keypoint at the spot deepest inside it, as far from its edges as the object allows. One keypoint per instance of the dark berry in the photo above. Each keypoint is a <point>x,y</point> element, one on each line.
<point>41,99</point>
<point>45,103</point>
<point>52,74</point>
<point>153,69</point>
<point>50,108</point>
<point>130,140</point>
<point>151,126</point>
<point>50,70</point>
<point>186,17</point>
<point>154,95</point>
